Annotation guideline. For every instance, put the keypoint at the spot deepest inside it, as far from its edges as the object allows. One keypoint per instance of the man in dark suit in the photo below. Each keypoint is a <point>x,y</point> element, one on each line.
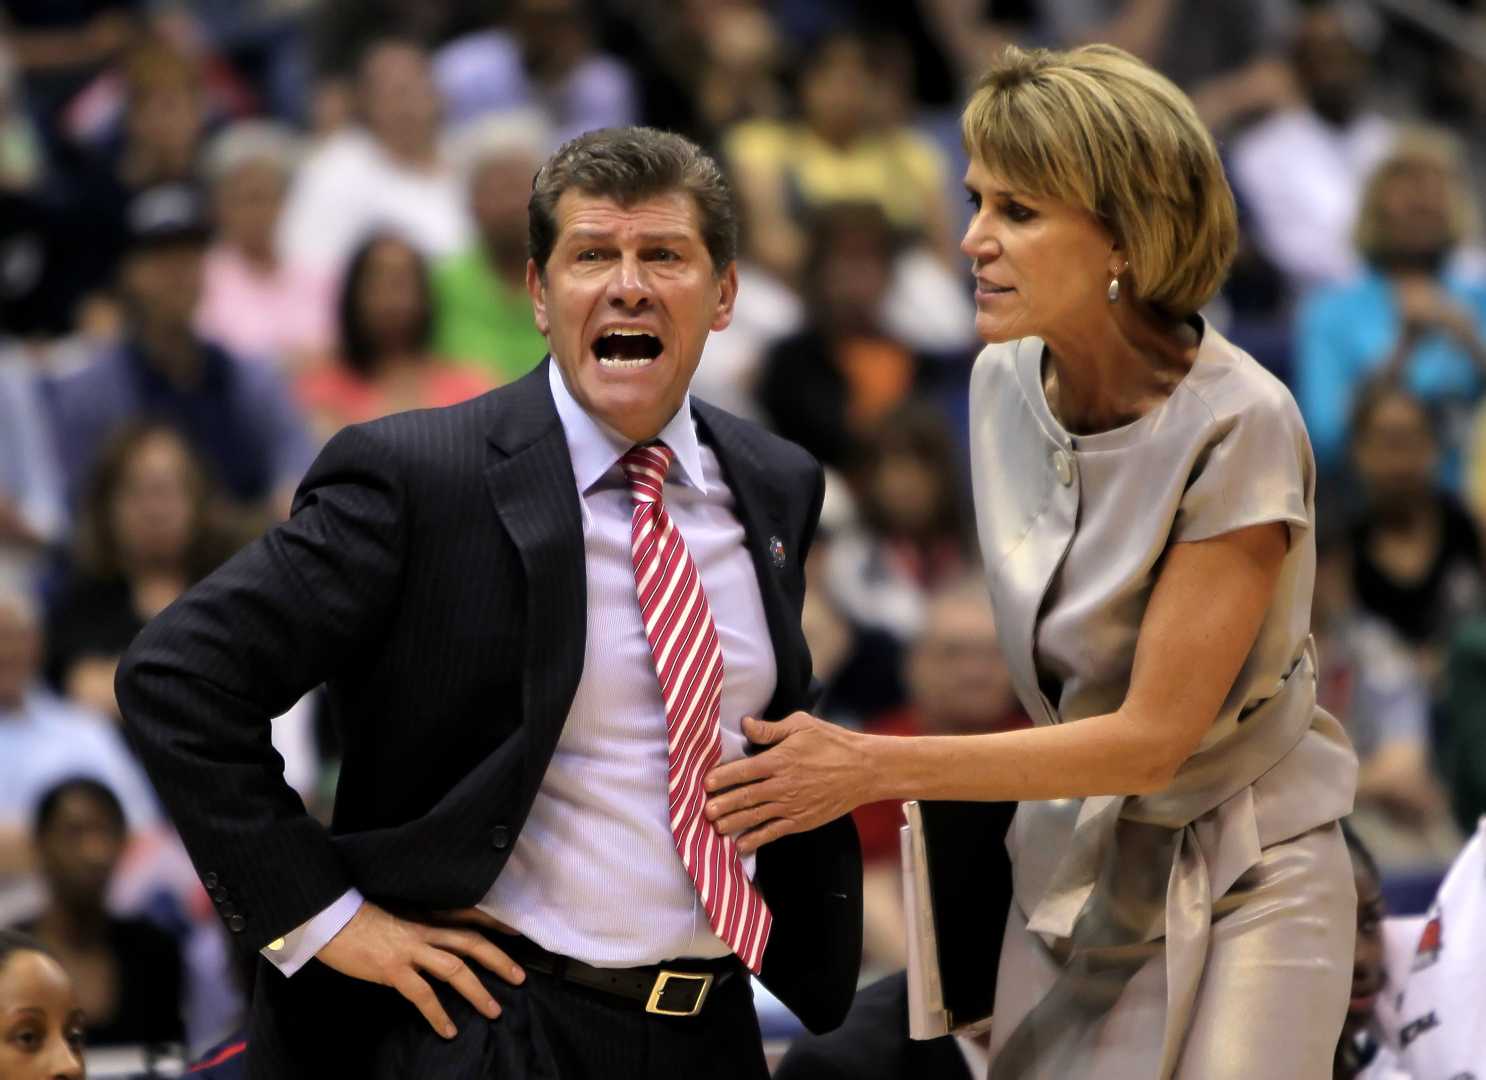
<point>540,618</point>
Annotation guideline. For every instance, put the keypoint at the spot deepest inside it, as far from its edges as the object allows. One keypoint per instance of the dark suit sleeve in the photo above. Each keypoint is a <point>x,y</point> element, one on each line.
<point>202,682</point>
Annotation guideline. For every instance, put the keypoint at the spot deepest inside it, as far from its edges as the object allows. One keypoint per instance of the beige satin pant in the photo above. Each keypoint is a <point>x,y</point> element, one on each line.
<point>1271,1003</point>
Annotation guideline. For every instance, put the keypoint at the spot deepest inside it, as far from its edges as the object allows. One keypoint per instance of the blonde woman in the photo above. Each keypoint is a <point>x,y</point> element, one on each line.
<point>1183,900</point>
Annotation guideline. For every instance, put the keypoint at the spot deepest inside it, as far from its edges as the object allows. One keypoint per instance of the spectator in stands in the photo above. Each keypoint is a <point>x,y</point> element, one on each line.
<point>44,739</point>
<point>1416,554</point>
<point>145,535</point>
<point>41,1026</point>
<point>128,972</point>
<point>61,47</point>
<point>1371,681</point>
<point>254,301</point>
<point>31,497</point>
<point>843,147</point>
<point>1462,752</point>
<point>1407,317</point>
<point>911,536</point>
<point>547,59</point>
<point>1360,1053</point>
<point>236,415</point>
<point>830,383</point>
<point>390,170</point>
<point>1300,171</point>
<point>482,309</point>
<point>386,328</point>
<point>164,123</point>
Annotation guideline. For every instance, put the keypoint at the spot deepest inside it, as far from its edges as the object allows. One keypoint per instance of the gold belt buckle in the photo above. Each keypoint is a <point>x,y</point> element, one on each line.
<point>666,980</point>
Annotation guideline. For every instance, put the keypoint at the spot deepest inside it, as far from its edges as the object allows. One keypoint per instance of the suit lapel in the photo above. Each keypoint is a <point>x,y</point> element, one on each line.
<point>530,480</point>
<point>761,507</point>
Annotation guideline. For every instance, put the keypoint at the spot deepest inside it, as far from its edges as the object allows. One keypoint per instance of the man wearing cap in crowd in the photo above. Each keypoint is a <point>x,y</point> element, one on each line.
<point>541,617</point>
<point>235,413</point>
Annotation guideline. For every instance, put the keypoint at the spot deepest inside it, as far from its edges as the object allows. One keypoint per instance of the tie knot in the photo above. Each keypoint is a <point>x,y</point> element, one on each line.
<point>646,466</point>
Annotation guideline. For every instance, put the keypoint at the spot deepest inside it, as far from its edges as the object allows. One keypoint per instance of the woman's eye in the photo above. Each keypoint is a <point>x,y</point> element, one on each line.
<point>1017,212</point>
<point>26,1039</point>
<point>973,199</point>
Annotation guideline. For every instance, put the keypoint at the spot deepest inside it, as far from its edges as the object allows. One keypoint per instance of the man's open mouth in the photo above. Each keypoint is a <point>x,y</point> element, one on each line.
<point>625,348</point>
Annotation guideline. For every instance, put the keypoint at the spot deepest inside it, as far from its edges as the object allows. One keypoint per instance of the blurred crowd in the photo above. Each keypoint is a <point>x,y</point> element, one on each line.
<point>230,227</point>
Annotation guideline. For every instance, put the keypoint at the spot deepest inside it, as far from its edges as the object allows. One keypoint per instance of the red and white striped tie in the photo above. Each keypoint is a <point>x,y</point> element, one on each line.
<point>688,662</point>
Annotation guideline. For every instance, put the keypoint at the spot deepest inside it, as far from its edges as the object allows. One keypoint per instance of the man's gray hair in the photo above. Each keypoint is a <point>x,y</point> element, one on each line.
<point>628,165</point>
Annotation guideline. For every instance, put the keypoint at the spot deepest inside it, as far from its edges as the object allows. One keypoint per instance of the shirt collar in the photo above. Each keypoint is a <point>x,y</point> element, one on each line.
<point>595,447</point>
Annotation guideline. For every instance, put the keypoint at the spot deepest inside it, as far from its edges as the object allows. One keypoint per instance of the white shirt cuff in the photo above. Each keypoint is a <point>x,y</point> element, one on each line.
<point>296,948</point>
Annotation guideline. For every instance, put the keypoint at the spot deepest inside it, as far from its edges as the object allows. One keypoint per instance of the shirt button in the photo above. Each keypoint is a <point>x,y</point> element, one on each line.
<point>236,924</point>
<point>1063,466</point>
<point>500,838</point>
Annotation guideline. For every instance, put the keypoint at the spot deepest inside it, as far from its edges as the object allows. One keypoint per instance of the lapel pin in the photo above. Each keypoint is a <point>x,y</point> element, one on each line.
<point>776,552</point>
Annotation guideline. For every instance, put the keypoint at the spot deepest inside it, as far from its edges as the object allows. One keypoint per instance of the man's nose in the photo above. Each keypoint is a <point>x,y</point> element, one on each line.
<point>629,285</point>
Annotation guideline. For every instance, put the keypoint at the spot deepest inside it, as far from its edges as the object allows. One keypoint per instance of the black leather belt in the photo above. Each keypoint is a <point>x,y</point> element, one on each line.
<point>676,989</point>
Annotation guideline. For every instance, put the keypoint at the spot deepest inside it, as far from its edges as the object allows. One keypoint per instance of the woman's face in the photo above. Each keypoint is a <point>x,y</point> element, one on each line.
<point>153,508</point>
<point>1396,452</point>
<point>1039,264</point>
<point>836,92</point>
<point>1414,210</point>
<point>391,295</point>
<point>41,1027</point>
<point>909,491</point>
<point>248,205</point>
<point>1367,966</point>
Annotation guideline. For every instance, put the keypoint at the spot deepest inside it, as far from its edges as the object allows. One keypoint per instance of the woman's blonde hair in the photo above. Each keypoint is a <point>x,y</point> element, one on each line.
<point>1415,148</point>
<point>1096,128</point>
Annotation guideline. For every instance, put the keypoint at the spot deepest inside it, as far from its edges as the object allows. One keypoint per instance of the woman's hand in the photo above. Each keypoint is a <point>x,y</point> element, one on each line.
<point>814,772</point>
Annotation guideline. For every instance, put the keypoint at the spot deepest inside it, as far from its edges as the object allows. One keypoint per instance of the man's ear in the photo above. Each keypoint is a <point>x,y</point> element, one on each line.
<point>536,287</point>
<point>727,286</point>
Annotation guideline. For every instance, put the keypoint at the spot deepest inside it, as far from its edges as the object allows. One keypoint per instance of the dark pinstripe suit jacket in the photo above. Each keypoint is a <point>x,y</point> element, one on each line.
<point>432,577</point>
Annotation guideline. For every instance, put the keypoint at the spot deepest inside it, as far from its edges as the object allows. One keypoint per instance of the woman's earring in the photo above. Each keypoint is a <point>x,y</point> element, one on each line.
<point>1114,290</point>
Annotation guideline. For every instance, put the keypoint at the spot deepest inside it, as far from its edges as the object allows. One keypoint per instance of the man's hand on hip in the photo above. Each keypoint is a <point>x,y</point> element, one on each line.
<point>378,947</point>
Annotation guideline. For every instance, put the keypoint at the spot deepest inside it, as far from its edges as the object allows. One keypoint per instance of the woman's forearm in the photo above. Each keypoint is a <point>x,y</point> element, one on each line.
<point>1100,755</point>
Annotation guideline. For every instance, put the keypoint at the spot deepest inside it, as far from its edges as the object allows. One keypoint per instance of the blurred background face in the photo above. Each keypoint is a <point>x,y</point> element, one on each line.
<point>908,492</point>
<point>957,676</point>
<point>1333,70</point>
<point>498,197</point>
<point>166,117</point>
<point>79,849</point>
<point>836,90</point>
<point>1396,452</point>
<point>390,295</point>
<point>1414,210</point>
<point>1367,966</point>
<point>553,35</point>
<point>154,509</point>
<point>20,654</point>
<point>248,203</point>
<point>163,284</point>
<point>41,1027</point>
<point>398,99</point>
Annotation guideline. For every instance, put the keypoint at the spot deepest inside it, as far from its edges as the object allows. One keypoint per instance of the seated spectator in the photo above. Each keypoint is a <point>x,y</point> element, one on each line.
<point>546,59</point>
<point>843,148</point>
<point>256,303</point>
<point>958,684</point>
<point>1442,1002</point>
<point>128,972</point>
<point>1300,171</point>
<point>1416,555</point>
<point>1361,1053</point>
<point>61,47</point>
<point>31,496</point>
<point>386,326</point>
<point>826,386</point>
<point>145,535</point>
<point>236,415</point>
<point>911,535</point>
<point>1370,680</point>
<point>388,171</point>
<point>43,1028</point>
<point>483,311</point>
<point>45,739</point>
<point>873,1044</point>
<point>1408,317</point>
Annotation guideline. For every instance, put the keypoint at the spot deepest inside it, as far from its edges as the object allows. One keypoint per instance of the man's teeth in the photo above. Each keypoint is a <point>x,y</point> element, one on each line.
<point>616,362</point>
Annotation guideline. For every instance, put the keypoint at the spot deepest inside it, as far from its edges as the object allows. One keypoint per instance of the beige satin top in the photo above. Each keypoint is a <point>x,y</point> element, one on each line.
<point>1073,530</point>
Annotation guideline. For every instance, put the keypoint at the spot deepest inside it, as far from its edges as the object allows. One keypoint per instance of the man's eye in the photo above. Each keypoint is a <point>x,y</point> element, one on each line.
<point>663,255</point>
<point>590,255</point>
<point>26,1039</point>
